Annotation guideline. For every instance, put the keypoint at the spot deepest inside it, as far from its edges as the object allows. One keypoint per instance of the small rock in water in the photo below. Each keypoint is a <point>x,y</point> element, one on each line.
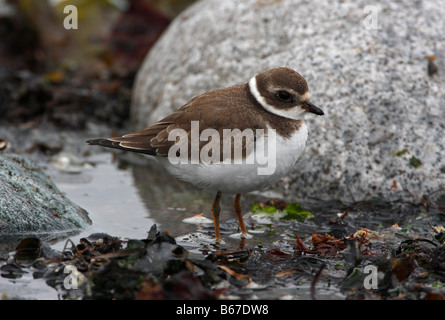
<point>31,202</point>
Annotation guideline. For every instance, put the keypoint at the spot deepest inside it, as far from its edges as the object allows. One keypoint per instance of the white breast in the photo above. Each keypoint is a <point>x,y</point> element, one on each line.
<point>242,178</point>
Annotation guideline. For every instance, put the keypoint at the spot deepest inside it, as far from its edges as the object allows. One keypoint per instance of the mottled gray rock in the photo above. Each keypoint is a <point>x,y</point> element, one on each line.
<point>368,73</point>
<point>31,203</point>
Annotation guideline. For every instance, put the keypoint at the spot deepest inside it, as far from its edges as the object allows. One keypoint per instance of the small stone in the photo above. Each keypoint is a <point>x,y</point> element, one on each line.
<point>31,203</point>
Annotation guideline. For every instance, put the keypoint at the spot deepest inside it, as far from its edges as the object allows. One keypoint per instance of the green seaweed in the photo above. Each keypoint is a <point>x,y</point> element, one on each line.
<point>292,211</point>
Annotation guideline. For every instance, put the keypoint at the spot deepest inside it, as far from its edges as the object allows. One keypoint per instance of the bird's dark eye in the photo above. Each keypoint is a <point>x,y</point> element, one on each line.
<point>284,96</point>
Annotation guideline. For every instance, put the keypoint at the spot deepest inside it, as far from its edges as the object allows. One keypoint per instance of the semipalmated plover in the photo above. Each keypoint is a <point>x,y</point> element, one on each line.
<point>264,119</point>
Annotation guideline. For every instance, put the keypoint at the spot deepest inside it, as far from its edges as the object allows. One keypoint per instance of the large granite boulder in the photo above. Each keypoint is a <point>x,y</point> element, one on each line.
<point>30,203</point>
<point>384,129</point>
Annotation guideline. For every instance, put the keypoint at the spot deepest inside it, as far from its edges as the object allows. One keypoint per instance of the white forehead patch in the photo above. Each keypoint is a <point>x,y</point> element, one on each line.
<point>305,96</point>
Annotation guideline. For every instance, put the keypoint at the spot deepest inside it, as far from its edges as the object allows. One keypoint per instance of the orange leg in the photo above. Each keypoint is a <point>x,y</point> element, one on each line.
<point>239,215</point>
<point>215,213</point>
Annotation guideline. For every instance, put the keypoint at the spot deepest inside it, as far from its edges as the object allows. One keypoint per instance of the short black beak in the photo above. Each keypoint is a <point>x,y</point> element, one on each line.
<point>309,107</point>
